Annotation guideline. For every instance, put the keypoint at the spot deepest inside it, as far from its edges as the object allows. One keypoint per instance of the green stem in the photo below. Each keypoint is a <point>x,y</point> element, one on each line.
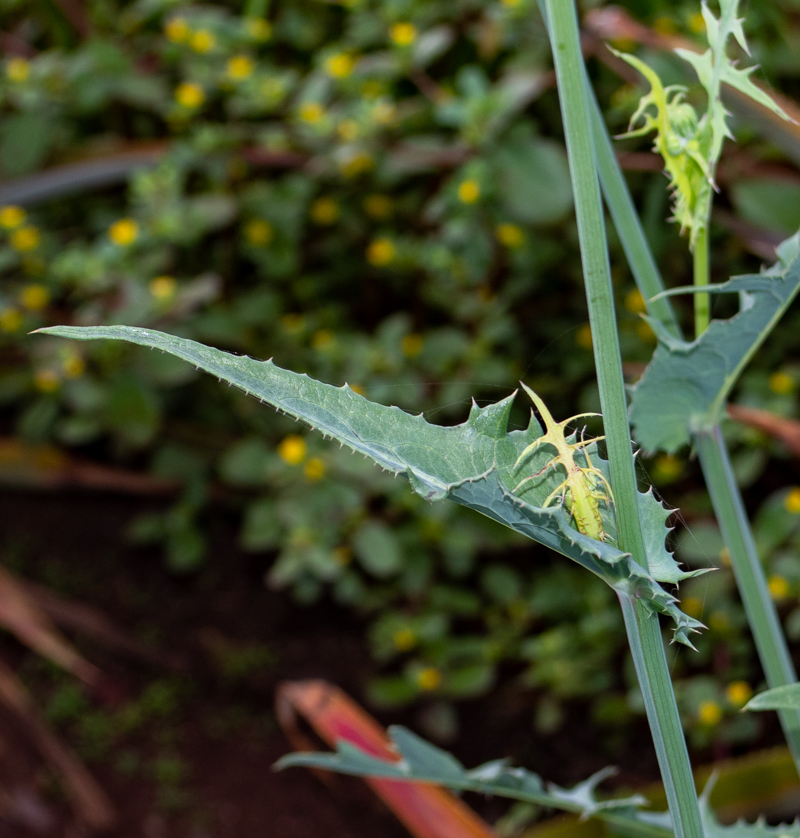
<point>643,632</point>
<point>701,301</point>
<point>747,568</point>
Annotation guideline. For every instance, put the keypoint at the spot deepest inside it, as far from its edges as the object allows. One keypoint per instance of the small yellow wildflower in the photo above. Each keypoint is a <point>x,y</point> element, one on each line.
<point>380,252</point>
<point>378,206</point>
<point>357,388</point>
<point>645,333</point>
<point>709,713</point>
<point>259,29</point>
<point>324,211</point>
<point>34,297</point>
<point>384,113</point>
<point>163,288</point>
<point>322,339</point>
<point>781,383</point>
<point>258,232</point>
<point>634,302</point>
<point>342,556</point>
<point>202,41</point>
<point>778,587</point>
<point>665,25</point>
<point>692,605</point>
<point>347,130</point>
<point>292,449</point>
<point>357,164</point>
<point>792,501</point>
<point>510,235</point>
<point>11,216</point>
<point>719,620</point>
<point>372,88</point>
<point>666,468</point>
<point>739,693</point>
<point>189,95</point>
<point>10,320</point>
<point>403,34</point>
<point>25,239</point>
<point>469,191</point>
<point>74,366</point>
<point>340,66</point>
<point>404,640</point>
<point>510,4</point>
<point>293,323</point>
<point>697,24</point>
<point>314,470</point>
<point>429,678</point>
<point>239,67</point>
<point>18,69</point>
<point>124,232</point>
<point>46,381</point>
<point>311,112</point>
<point>177,30</point>
<point>583,337</point>
<point>412,345</point>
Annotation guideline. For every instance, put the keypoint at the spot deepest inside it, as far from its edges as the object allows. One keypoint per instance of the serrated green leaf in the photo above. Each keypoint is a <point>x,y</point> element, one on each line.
<point>685,386</point>
<point>473,463</point>
<point>786,697</point>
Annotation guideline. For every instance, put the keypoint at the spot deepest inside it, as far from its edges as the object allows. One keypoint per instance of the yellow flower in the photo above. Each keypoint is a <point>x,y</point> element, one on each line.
<point>239,67</point>
<point>342,556</point>
<point>372,88</point>
<point>429,678</point>
<point>666,468</point>
<point>202,41</point>
<point>311,112</point>
<point>380,252</point>
<point>259,29</point>
<point>18,69</point>
<point>781,383</point>
<point>697,24</point>
<point>583,337</point>
<point>189,95</point>
<point>46,381</point>
<point>292,449</point>
<point>314,470</point>
<point>692,605</point>
<point>404,639</point>
<point>258,232</point>
<point>403,34</point>
<point>412,345</point>
<point>74,366</point>
<point>177,30</point>
<point>347,130</point>
<point>25,239</point>
<point>725,557</point>
<point>293,323</point>
<point>324,211</point>
<point>378,206</point>
<point>11,216</point>
<point>34,297</point>
<point>709,713</point>
<point>792,501</point>
<point>163,288</point>
<point>357,388</point>
<point>634,302</point>
<point>510,4</point>
<point>469,191</point>
<point>665,25</point>
<point>356,164</point>
<point>384,113</point>
<point>10,320</point>
<point>778,587</point>
<point>719,620</point>
<point>124,232</point>
<point>739,693</point>
<point>322,339</point>
<point>340,66</point>
<point>645,333</point>
<point>510,235</point>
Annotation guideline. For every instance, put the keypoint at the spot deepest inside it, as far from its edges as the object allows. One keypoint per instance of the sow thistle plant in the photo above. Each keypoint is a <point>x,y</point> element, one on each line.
<point>556,488</point>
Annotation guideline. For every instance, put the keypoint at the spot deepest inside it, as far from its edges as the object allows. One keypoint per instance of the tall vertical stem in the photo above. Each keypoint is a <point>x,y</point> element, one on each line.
<point>702,305</point>
<point>643,628</point>
<point>761,613</point>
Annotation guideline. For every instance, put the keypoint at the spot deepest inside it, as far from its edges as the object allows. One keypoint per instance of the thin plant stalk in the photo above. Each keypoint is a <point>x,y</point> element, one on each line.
<point>702,304</point>
<point>643,628</point>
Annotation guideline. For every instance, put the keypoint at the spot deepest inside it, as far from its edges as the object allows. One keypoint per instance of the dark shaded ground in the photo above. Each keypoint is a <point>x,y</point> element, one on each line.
<point>199,762</point>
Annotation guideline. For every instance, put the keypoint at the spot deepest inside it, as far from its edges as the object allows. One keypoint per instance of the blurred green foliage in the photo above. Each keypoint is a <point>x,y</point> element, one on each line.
<point>377,193</point>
